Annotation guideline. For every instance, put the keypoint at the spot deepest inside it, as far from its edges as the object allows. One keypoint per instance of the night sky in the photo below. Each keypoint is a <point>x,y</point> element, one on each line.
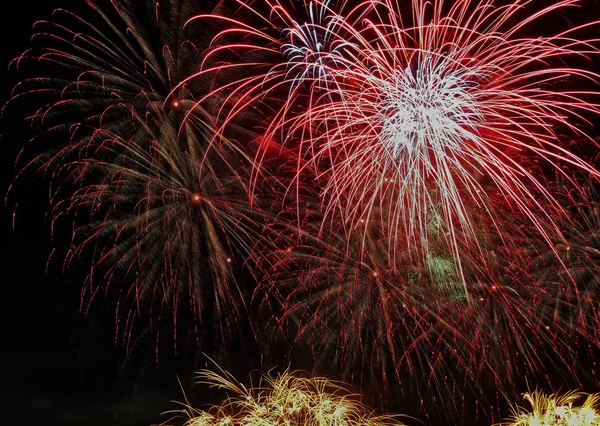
<point>56,369</point>
<point>57,366</point>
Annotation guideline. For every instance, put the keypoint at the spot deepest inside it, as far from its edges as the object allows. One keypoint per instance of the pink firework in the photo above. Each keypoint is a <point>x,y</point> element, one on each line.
<point>276,56</point>
<point>403,112</point>
<point>428,130</point>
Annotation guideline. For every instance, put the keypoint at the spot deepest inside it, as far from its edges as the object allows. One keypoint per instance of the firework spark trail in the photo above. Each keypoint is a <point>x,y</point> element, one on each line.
<point>430,109</point>
<point>556,410</point>
<point>427,133</point>
<point>285,399</point>
<point>573,289</point>
<point>412,113</point>
<point>284,64</point>
<point>421,142</point>
<point>415,320</point>
<point>152,206</point>
<point>168,219</point>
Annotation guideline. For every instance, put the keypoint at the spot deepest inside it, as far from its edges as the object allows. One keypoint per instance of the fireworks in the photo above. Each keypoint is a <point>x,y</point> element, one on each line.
<point>109,72</point>
<point>415,320</point>
<point>386,170</point>
<point>284,64</point>
<point>158,215</point>
<point>555,410</point>
<point>286,399</point>
<point>427,134</point>
<point>411,115</point>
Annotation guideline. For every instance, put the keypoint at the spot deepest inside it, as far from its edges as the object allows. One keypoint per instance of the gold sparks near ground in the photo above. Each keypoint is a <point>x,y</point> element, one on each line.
<point>286,399</point>
<point>570,409</point>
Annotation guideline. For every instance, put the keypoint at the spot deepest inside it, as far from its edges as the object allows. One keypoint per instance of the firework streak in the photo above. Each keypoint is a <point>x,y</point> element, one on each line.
<point>428,134</point>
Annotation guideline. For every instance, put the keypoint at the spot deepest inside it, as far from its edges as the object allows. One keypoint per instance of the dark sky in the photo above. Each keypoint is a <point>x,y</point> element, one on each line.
<point>48,375</point>
<point>34,320</point>
<point>53,369</point>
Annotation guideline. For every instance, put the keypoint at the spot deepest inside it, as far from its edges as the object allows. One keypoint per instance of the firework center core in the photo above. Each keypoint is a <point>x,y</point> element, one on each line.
<point>429,110</point>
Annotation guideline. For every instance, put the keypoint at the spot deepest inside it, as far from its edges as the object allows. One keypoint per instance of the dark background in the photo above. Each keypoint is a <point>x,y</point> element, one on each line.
<point>56,366</point>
